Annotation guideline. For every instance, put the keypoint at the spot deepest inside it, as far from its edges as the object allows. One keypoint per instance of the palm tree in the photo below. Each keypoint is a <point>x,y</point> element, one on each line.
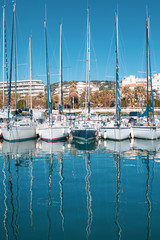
<point>127,94</point>
<point>139,94</point>
<point>73,93</point>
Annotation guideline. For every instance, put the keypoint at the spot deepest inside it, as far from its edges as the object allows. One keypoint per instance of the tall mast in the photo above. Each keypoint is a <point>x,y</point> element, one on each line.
<point>3,51</point>
<point>15,55</point>
<point>88,65</point>
<point>48,75</point>
<point>60,74</point>
<point>150,70</point>
<point>10,76</point>
<point>147,64</point>
<point>30,71</point>
<point>89,105</point>
<point>118,108</point>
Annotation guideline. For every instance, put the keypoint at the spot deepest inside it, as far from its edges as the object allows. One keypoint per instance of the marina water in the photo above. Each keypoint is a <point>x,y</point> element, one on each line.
<point>69,190</point>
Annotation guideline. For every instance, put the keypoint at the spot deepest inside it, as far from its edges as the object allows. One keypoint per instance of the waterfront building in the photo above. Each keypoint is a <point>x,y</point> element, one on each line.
<point>132,82</point>
<point>23,87</point>
<point>81,87</point>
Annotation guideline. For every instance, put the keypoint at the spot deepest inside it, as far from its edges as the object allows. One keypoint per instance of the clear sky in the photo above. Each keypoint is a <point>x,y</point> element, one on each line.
<point>73,15</point>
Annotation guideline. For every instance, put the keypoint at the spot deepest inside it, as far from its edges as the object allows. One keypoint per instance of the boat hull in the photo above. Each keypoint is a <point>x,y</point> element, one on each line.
<point>53,133</point>
<point>146,132</point>
<point>84,134</point>
<point>115,133</point>
<point>19,133</point>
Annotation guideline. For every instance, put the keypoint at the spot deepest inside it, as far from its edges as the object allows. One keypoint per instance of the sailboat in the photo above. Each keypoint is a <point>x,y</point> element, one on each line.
<point>17,129</point>
<point>149,130</point>
<point>84,131</point>
<point>51,131</point>
<point>115,130</point>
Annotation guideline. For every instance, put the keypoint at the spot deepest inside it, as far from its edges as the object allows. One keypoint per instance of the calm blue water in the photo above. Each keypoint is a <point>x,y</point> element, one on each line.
<point>64,190</point>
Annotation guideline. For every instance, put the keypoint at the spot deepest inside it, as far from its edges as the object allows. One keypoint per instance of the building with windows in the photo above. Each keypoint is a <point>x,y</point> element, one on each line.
<point>23,87</point>
<point>132,82</point>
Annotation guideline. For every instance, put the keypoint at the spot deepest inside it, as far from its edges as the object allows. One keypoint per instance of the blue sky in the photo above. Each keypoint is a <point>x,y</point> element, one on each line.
<point>73,15</point>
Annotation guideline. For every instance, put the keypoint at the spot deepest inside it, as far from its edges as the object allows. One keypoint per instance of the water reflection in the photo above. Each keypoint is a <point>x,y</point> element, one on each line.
<point>50,147</point>
<point>49,194</point>
<point>31,191</point>
<point>18,148</point>
<point>85,146</point>
<point>85,150</point>
<point>97,167</point>
<point>116,146</point>
<point>61,189</point>
<point>5,200</point>
<point>118,182</point>
<point>88,192</point>
<point>53,149</point>
<point>146,145</point>
<point>147,196</point>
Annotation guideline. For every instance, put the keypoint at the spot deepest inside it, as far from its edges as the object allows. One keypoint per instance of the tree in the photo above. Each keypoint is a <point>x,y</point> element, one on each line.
<point>139,95</point>
<point>73,93</point>
<point>127,96</point>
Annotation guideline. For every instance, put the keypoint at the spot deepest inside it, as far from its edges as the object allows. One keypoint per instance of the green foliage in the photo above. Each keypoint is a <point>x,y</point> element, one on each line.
<point>21,104</point>
<point>124,103</point>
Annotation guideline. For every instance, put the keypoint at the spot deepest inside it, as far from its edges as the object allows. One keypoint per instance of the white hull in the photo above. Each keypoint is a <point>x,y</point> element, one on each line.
<point>19,133</point>
<point>53,133</point>
<point>115,133</point>
<point>146,132</point>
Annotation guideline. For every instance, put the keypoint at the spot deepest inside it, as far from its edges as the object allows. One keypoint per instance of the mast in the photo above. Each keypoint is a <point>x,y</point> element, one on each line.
<point>30,71</point>
<point>60,74</point>
<point>147,64</point>
<point>15,55</point>
<point>88,65</point>
<point>10,76</point>
<point>3,51</point>
<point>150,71</point>
<point>118,108</point>
<point>48,75</point>
<point>89,105</point>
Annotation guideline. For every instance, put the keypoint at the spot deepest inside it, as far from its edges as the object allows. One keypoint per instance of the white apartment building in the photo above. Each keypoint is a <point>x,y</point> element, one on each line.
<point>23,87</point>
<point>81,87</point>
<point>156,82</point>
<point>132,82</point>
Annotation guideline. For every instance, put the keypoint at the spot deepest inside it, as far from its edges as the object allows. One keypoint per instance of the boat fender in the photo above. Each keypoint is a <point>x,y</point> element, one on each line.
<point>105,134</point>
<point>99,134</point>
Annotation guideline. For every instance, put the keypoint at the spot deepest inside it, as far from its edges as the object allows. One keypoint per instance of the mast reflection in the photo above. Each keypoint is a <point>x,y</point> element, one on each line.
<point>61,188</point>
<point>86,149</point>
<point>49,194</point>
<point>117,159</point>
<point>31,191</point>
<point>88,192</point>
<point>54,149</point>
<point>5,200</point>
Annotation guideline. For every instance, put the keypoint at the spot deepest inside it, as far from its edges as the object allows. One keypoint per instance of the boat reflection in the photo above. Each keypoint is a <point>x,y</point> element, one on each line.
<point>18,148</point>
<point>116,146</point>
<point>146,145</point>
<point>85,146</point>
<point>50,147</point>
